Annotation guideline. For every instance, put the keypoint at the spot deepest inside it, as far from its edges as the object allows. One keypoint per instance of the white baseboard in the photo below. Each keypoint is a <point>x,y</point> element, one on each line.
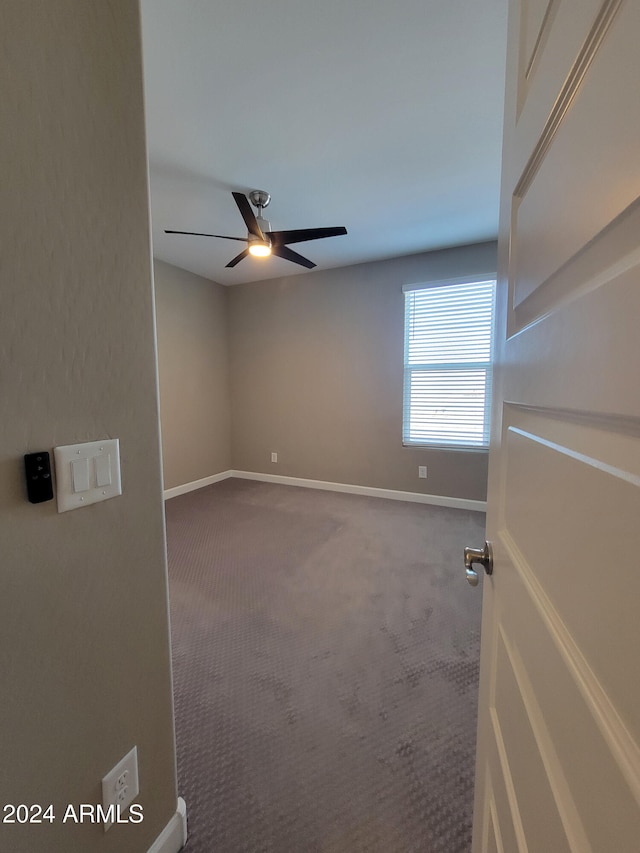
<point>369,491</point>
<point>174,836</point>
<point>196,484</point>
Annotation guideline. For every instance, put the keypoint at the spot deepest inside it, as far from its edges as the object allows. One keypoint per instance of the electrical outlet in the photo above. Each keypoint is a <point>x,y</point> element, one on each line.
<point>120,786</point>
<point>422,471</point>
<point>274,457</point>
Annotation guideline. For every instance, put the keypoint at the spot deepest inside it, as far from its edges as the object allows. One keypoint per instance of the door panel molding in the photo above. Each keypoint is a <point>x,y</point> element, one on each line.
<point>493,823</point>
<point>612,728</point>
<point>531,56</point>
<point>565,31</point>
<point>502,822</point>
<point>579,551</point>
<point>565,804</point>
<point>526,764</point>
<point>585,459</point>
<point>510,788</point>
<point>568,91</point>
<point>599,323</point>
<point>623,424</point>
<point>560,201</point>
<point>612,253</point>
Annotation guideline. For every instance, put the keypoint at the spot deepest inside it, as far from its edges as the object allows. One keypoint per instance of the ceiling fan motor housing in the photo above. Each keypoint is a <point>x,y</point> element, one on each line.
<point>259,198</point>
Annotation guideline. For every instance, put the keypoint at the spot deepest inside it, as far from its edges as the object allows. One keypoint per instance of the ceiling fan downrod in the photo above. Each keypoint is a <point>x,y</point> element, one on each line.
<point>260,199</point>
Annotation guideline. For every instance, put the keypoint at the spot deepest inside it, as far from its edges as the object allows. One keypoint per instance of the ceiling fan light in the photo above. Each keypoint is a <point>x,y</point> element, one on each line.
<point>259,249</point>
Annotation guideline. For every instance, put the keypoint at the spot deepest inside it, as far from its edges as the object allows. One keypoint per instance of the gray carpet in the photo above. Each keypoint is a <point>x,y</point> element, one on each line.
<point>325,664</point>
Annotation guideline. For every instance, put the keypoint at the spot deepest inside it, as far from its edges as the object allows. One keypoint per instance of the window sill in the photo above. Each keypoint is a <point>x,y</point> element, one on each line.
<point>455,448</point>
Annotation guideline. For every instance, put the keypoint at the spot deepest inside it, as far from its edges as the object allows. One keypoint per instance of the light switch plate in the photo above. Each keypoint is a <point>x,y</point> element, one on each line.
<point>102,461</point>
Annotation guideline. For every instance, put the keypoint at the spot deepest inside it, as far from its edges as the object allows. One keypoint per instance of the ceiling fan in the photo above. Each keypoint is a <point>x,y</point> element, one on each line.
<point>261,240</point>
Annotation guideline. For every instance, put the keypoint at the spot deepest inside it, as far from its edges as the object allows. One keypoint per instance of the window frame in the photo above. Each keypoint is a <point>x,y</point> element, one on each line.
<point>409,369</point>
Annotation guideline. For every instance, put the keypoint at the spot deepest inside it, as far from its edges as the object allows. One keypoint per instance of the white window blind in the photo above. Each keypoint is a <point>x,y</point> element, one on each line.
<point>447,364</point>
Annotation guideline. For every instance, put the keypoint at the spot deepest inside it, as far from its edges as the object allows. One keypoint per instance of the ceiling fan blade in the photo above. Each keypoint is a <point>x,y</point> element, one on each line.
<point>290,255</point>
<point>238,258</point>
<point>198,234</point>
<point>248,215</point>
<point>299,235</point>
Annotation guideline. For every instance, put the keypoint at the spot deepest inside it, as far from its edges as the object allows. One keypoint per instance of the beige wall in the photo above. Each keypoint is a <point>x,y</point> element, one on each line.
<point>316,369</point>
<point>194,378</point>
<point>84,646</point>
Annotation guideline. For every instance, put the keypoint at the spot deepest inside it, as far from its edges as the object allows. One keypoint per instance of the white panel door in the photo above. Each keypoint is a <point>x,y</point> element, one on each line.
<point>558,763</point>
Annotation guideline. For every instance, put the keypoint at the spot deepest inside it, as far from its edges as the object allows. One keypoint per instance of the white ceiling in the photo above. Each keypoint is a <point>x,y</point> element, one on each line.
<point>384,116</point>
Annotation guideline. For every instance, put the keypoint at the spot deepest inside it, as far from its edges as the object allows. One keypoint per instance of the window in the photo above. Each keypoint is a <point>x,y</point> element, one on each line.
<point>447,364</point>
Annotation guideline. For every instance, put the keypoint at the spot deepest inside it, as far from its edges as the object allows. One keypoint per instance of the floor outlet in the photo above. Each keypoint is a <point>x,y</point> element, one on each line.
<point>120,786</point>
<point>422,471</point>
<point>274,457</point>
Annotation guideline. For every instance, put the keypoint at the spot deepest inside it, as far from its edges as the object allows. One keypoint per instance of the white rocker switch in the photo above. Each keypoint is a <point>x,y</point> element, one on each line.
<point>103,469</point>
<point>80,474</point>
